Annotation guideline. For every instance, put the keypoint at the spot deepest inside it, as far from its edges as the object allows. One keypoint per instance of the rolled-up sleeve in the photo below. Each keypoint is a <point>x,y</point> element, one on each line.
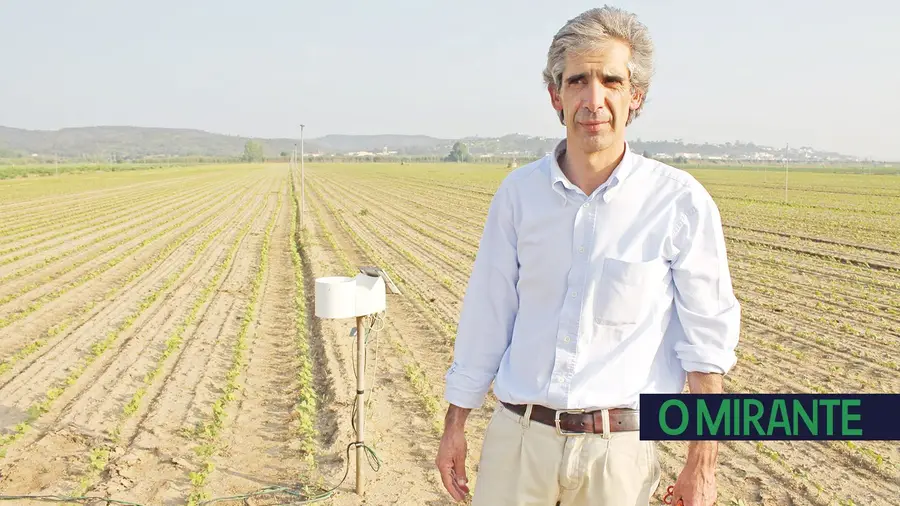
<point>707,308</point>
<point>489,307</point>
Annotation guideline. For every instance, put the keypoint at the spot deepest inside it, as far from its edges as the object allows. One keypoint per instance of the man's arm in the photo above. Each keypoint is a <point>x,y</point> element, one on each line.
<point>704,453</point>
<point>489,307</point>
<point>705,303</point>
<point>696,484</point>
<point>710,317</point>
<point>483,334</point>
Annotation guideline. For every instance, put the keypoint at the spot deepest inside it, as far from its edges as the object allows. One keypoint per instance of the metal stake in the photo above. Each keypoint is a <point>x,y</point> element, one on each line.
<point>360,401</point>
<point>302,183</point>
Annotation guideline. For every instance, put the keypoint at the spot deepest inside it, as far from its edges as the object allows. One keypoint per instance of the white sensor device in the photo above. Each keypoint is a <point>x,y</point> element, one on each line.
<point>339,297</point>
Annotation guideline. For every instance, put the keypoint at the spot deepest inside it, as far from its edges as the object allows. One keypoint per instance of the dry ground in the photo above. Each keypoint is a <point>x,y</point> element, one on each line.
<point>157,343</point>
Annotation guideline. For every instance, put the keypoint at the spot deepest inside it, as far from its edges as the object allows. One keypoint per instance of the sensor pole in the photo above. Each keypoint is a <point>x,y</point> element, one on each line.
<point>360,401</point>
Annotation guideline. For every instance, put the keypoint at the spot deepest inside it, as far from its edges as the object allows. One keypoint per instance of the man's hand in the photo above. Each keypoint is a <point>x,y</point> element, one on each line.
<point>451,457</point>
<point>696,485</point>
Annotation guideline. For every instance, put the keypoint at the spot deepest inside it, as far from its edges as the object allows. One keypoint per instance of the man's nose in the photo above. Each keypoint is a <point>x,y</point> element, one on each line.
<point>596,96</point>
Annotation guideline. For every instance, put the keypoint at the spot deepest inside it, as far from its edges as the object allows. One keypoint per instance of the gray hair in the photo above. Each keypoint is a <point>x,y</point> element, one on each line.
<point>591,29</point>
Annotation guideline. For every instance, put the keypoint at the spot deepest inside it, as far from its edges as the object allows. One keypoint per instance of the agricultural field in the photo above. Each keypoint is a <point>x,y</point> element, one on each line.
<point>158,343</point>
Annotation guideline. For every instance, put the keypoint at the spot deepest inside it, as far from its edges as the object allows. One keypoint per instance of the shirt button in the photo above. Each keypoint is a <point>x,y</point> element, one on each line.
<point>581,249</point>
<point>567,339</point>
<point>574,294</point>
<point>585,204</point>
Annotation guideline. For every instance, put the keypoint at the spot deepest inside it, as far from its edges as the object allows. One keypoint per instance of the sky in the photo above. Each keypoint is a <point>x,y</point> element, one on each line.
<point>822,74</point>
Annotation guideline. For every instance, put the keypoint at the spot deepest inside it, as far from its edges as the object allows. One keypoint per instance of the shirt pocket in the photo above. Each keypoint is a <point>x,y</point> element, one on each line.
<point>623,291</point>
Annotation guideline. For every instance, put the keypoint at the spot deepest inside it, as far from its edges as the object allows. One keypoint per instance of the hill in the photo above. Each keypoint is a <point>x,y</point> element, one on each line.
<point>131,142</point>
<point>124,143</point>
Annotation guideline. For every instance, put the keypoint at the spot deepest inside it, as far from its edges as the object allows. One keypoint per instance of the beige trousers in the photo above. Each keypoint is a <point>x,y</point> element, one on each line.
<point>526,463</point>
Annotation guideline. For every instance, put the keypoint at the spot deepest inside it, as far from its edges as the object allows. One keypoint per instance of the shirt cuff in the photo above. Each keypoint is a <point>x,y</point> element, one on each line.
<point>465,391</point>
<point>466,400</point>
<point>690,366</point>
<point>704,359</point>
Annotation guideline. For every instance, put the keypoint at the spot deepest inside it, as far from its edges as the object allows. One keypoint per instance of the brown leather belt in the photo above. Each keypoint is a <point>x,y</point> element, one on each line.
<point>580,422</point>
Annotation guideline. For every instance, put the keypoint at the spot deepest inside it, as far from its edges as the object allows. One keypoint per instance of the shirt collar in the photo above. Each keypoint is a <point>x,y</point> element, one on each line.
<point>560,183</point>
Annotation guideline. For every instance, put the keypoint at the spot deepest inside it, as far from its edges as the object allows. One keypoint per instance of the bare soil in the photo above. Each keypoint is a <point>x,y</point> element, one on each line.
<point>812,322</point>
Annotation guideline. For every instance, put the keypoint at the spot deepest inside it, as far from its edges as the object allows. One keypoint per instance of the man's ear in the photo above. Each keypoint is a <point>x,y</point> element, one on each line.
<point>555,99</point>
<point>637,98</point>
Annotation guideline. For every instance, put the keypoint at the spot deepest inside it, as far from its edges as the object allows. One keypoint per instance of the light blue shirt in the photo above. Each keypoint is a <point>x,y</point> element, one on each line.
<point>586,301</point>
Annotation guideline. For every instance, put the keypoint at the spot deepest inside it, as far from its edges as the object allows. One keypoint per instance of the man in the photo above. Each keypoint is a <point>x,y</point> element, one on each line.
<point>600,275</point>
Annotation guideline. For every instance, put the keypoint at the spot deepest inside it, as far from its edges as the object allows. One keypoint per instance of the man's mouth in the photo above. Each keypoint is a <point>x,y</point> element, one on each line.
<point>594,126</point>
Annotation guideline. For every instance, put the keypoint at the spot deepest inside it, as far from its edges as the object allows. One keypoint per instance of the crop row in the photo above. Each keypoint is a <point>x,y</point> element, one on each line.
<point>173,343</point>
<point>84,310</point>
<point>856,282</point>
<point>824,342</point>
<point>211,429</point>
<point>471,250</point>
<point>849,293</point>
<point>845,247</point>
<point>873,233</point>
<point>860,274</point>
<point>461,199</point>
<point>305,408</point>
<point>864,206</point>
<point>61,198</point>
<point>99,348</point>
<point>372,226</point>
<point>826,184</point>
<point>839,258</point>
<point>460,234</point>
<point>833,225</point>
<point>803,302</point>
<point>430,258</point>
<point>438,323</point>
<point>762,356</point>
<point>443,324</point>
<point>435,232</point>
<point>97,271</point>
<point>90,213</point>
<point>78,224</point>
<point>83,229</point>
<point>32,218</point>
<point>749,277</point>
<point>467,208</point>
<point>765,355</point>
<point>448,196</point>
<point>339,252</point>
<point>152,215</point>
<point>413,371</point>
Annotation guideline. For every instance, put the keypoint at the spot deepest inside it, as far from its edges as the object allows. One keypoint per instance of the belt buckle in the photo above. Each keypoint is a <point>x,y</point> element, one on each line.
<point>559,429</point>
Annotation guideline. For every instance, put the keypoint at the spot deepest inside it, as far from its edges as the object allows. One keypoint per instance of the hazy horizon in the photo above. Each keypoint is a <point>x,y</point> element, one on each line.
<point>803,73</point>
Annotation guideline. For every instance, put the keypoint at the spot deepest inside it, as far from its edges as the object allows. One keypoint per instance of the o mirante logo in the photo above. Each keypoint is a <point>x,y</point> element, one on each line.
<point>769,416</point>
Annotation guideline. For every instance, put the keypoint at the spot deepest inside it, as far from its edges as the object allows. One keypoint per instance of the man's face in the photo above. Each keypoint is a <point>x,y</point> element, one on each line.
<point>596,96</point>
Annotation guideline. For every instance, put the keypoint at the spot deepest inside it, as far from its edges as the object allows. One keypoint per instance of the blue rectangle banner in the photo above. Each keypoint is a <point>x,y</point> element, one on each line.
<point>797,417</point>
